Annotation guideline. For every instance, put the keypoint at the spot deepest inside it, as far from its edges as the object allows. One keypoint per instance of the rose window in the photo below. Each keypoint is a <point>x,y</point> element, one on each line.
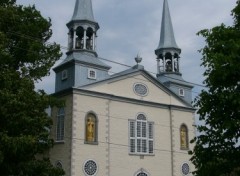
<point>90,168</point>
<point>185,169</point>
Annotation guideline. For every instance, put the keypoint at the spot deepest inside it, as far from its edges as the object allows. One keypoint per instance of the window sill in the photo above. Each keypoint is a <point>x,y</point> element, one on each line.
<point>91,143</point>
<point>64,79</point>
<point>92,78</point>
<point>142,154</point>
<point>59,142</point>
<point>186,149</point>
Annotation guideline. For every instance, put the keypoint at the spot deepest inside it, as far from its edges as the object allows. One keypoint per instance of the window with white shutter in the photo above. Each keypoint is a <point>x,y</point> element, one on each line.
<point>141,136</point>
<point>150,137</point>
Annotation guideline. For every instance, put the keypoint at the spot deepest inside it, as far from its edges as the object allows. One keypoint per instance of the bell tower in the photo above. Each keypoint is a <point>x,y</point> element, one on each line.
<point>167,52</point>
<point>168,59</point>
<point>82,65</point>
<point>82,28</point>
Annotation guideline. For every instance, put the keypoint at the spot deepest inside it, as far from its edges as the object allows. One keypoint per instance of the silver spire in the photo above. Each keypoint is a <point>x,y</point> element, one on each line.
<point>167,39</point>
<point>83,10</point>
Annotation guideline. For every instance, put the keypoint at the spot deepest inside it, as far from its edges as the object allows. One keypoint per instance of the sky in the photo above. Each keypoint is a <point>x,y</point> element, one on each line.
<point>131,27</point>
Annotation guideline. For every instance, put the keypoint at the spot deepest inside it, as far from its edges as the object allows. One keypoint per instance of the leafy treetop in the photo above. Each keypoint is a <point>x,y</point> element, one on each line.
<point>25,57</point>
<point>217,149</point>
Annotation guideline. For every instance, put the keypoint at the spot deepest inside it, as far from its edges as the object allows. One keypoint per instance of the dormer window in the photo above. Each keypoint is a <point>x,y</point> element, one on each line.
<point>181,92</point>
<point>92,74</point>
<point>64,74</point>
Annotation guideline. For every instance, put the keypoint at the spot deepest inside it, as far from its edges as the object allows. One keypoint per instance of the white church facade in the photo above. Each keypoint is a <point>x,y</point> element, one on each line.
<point>129,123</point>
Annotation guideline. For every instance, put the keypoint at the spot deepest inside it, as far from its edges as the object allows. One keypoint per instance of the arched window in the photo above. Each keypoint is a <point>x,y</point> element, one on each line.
<point>59,165</point>
<point>60,125</point>
<point>91,128</point>
<point>142,174</point>
<point>183,137</point>
<point>141,135</point>
<point>89,41</point>
<point>168,66</point>
<point>79,37</point>
<point>70,39</point>
<point>176,62</point>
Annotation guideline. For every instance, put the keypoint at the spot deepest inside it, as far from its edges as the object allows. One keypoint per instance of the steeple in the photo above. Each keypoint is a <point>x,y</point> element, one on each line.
<point>167,39</point>
<point>167,52</point>
<point>82,28</point>
<point>83,10</point>
<point>168,65</point>
<point>82,65</point>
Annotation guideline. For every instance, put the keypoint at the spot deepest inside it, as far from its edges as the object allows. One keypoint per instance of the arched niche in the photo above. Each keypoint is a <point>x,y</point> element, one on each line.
<point>89,39</point>
<point>184,144</point>
<point>79,37</point>
<point>91,128</point>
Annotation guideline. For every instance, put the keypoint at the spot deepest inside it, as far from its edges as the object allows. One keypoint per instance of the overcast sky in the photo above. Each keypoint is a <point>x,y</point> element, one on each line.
<point>129,27</point>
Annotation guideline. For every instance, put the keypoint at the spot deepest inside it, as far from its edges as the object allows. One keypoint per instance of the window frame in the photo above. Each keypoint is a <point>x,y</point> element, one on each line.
<point>181,92</point>
<point>64,74</point>
<point>58,164</point>
<point>141,130</point>
<point>141,171</point>
<point>60,125</point>
<point>84,167</point>
<point>89,73</point>
<point>189,168</point>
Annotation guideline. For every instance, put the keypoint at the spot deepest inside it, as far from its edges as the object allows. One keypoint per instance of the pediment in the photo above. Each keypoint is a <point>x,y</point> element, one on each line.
<point>138,85</point>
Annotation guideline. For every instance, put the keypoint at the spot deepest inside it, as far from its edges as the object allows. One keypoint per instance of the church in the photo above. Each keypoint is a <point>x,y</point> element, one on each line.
<point>129,123</point>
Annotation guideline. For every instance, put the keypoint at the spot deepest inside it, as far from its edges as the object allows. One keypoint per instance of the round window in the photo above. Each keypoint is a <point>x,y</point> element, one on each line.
<point>142,174</point>
<point>185,169</point>
<point>140,89</point>
<point>90,168</point>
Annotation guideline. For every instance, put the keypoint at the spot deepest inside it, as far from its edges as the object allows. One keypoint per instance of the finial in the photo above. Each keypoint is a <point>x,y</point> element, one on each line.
<point>138,59</point>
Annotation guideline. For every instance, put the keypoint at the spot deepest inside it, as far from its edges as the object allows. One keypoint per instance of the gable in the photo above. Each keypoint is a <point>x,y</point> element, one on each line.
<point>137,86</point>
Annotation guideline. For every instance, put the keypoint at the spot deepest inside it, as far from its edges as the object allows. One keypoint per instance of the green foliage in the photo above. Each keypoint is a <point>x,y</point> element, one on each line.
<point>217,150</point>
<point>25,57</point>
<point>24,34</point>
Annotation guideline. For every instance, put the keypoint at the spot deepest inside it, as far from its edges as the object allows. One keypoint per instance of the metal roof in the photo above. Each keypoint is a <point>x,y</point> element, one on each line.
<point>167,39</point>
<point>83,10</point>
<point>85,58</point>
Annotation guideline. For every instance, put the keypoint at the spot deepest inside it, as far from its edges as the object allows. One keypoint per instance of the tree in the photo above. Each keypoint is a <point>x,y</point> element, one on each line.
<point>25,57</point>
<point>217,147</point>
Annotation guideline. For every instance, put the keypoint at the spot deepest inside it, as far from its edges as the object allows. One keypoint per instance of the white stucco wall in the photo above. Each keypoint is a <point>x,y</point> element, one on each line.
<point>124,88</point>
<point>112,151</point>
<point>113,113</point>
